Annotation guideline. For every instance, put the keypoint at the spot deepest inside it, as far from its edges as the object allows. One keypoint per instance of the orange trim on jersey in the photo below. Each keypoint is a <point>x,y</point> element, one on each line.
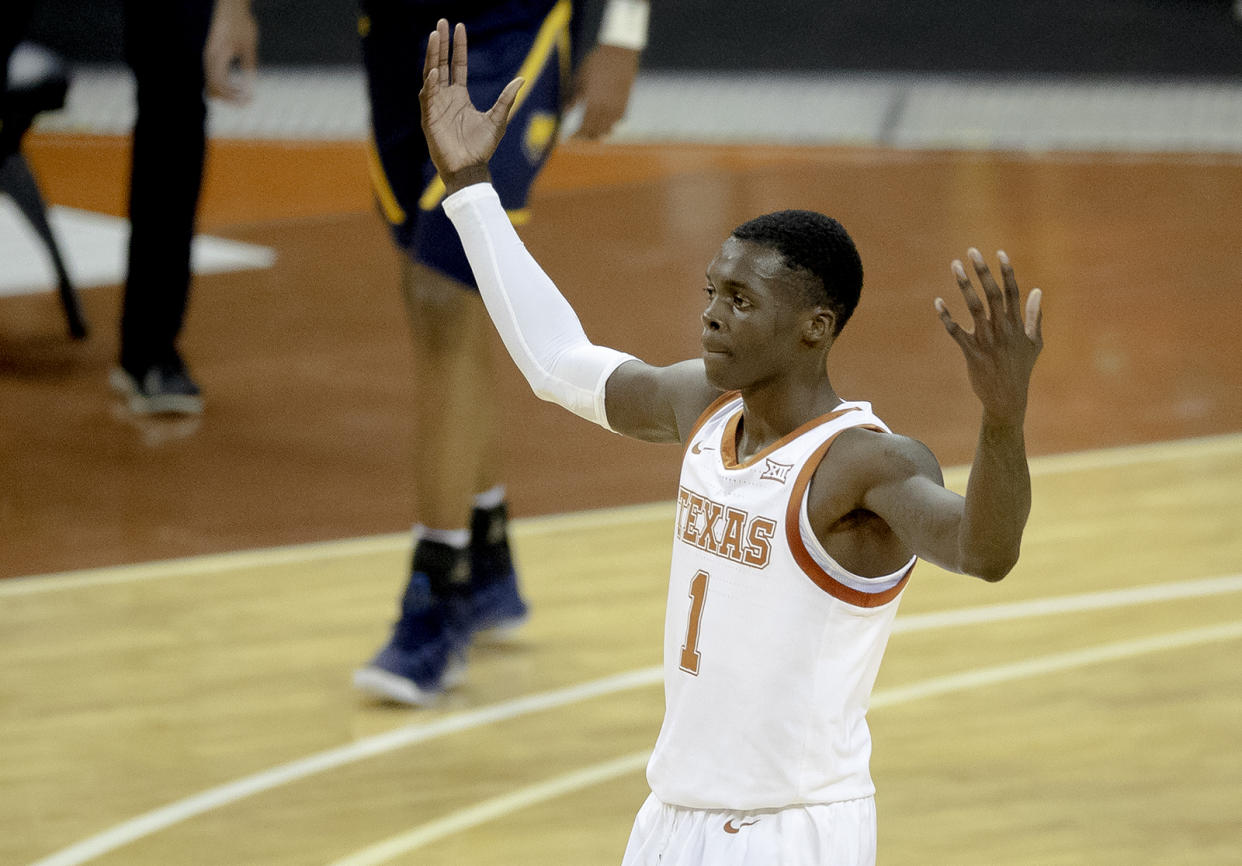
<point>728,444</point>
<point>802,556</point>
<point>712,408</point>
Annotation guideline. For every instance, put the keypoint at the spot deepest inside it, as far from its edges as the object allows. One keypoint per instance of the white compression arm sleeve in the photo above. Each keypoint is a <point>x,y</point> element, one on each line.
<point>538,327</point>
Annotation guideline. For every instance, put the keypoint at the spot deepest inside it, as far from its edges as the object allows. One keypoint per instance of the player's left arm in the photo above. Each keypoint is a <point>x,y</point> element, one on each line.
<point>980,534</point>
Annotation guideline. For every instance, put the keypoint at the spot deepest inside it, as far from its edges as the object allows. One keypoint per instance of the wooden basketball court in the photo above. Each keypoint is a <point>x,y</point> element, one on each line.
<point>189,600</point>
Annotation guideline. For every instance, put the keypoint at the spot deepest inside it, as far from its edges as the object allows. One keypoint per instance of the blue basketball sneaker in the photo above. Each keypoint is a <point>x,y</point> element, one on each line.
<point>427,651</point>
<point>496,606</point>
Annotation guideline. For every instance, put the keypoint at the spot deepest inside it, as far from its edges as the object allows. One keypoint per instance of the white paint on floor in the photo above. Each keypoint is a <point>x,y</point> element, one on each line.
<point>94,248</point>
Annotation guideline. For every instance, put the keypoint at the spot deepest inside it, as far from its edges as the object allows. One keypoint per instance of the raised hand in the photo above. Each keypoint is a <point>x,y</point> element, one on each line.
<point>460,138</point>
<point>1001,350</point>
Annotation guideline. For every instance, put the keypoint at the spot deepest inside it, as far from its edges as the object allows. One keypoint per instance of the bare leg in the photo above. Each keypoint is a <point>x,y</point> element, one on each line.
<point>456,441</point>
<point>452,591</point>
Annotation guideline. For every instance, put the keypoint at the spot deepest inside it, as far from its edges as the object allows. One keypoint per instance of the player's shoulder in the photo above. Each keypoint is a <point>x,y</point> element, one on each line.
<point>872,456</point>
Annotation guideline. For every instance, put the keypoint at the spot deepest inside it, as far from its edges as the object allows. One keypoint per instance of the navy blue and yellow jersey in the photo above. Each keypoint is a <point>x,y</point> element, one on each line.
<point>508,38</point>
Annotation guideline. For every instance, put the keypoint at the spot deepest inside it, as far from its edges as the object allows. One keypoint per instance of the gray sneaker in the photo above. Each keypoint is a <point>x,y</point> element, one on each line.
<point>161,389</point>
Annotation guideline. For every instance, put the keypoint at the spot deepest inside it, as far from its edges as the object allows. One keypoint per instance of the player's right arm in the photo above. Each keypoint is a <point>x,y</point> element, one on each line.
<point>544,337</point>
<point>658,404</point>
<point>537,325</point>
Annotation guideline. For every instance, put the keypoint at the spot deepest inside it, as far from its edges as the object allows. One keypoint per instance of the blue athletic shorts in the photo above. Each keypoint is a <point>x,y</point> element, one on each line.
<point>506,38</point>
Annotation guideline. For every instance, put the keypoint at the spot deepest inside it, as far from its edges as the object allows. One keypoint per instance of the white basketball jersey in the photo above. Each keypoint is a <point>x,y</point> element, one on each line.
<point>771,649</point>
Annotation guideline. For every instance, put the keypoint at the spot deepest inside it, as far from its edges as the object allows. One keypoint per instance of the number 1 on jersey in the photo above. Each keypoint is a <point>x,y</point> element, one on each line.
<point>690,649</point>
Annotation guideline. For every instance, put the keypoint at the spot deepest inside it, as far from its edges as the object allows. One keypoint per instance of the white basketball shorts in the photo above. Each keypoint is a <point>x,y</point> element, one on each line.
<point>829,834</point>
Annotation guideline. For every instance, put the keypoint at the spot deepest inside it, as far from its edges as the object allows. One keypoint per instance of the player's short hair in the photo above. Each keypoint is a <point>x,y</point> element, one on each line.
<point>819,245</point>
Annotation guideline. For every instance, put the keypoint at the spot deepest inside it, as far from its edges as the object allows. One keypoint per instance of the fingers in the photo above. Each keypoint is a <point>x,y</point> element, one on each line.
<point>504,103</point>
<point>443,53</point>
<point>442,58</point>
<point>432,60</point>
<point>1034,324</point>
<point>431,73</point>
<point>1007,303</point>
<point>1002,309</point>
<point>459,54</point>
<point>1013,301</point>
<point>954,329</point>
<point>996,304</point>
<point>973,304</point>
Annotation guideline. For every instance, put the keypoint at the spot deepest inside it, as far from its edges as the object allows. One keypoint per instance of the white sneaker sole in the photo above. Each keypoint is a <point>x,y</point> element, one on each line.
<point>387,686</point>
<point>164,404</point>
<point>503,631</point>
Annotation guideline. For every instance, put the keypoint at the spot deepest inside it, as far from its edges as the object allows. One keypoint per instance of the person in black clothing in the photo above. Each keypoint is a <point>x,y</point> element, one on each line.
<point>179,51</point>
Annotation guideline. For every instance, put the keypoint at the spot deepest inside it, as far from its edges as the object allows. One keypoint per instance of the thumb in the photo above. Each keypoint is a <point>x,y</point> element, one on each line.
<point>504,103</point>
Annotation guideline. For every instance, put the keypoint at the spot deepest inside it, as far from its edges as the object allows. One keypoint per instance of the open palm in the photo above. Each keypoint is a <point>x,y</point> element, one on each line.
<point>460,138</point>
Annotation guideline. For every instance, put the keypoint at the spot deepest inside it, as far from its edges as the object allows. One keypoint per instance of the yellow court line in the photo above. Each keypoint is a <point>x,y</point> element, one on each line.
<point>319,551</point>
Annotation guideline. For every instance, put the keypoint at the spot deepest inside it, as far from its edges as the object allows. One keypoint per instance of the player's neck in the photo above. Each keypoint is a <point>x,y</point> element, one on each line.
<point>770,412</point>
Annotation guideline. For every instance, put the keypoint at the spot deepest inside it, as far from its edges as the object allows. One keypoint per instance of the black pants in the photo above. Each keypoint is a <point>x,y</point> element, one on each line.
<point>164,41</point>
<point>14,19</point>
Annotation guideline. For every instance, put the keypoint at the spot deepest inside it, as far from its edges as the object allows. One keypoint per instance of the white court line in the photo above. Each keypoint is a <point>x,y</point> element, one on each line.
<point>223,795</point>
<point>1127,455</point>
<point>1132,455</point>
<point>195,566</point>
<point>213,798</point>
<point>498,807</point>
<point>1055,662</point>
<point>1113,598</point>
<point>315,551</point>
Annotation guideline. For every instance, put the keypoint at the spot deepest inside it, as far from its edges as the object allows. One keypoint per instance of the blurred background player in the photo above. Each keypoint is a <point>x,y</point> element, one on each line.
<point>179,51</point>
<point>462,579</point>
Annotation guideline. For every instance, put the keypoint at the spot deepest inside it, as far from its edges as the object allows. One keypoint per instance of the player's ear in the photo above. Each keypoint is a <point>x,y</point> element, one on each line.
<point>820,325</point>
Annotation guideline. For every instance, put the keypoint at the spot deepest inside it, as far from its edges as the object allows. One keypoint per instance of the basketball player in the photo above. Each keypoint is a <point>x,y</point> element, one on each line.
<point>462,580</point>
<point>799,514</point>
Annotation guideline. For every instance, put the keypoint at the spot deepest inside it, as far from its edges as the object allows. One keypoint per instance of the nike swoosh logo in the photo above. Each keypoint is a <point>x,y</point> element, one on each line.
<point>697,448</point>
<point>730,827</point>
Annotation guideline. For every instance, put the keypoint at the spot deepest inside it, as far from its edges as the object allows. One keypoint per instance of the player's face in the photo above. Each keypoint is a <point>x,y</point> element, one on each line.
<point>750,323</point>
